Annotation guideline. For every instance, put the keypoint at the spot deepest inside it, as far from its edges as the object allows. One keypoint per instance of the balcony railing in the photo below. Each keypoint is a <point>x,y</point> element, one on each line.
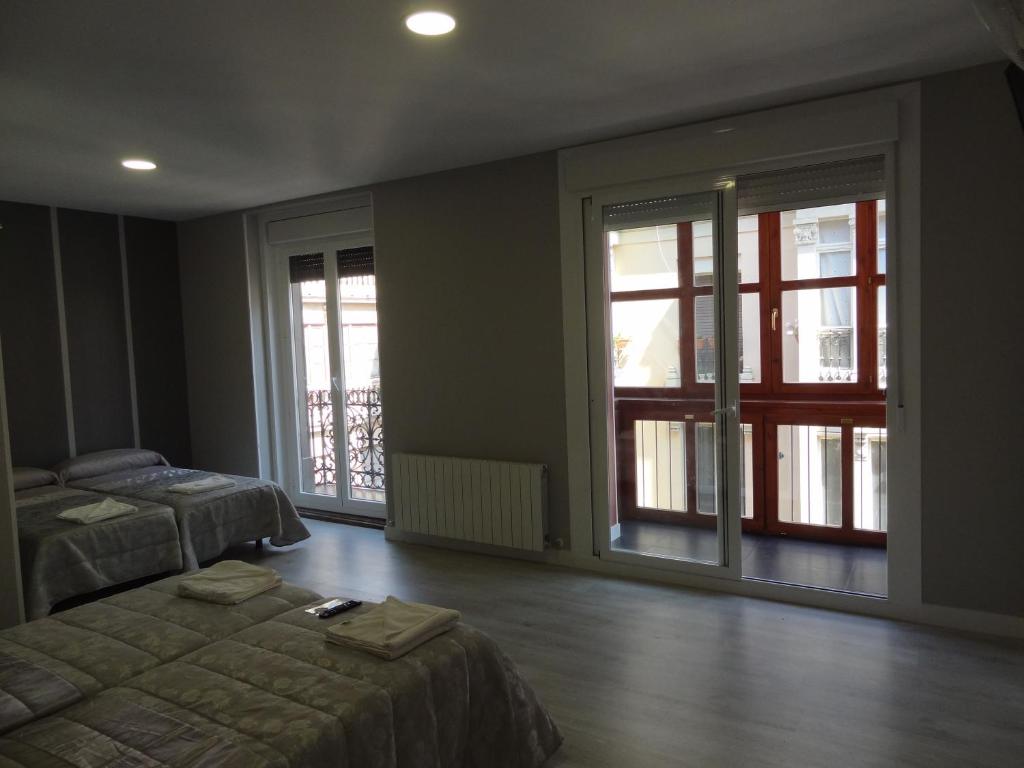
<point>835,354</point>
<point>364,435</point>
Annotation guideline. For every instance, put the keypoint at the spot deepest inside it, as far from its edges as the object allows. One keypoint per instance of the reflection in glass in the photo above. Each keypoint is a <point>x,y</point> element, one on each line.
<point>810,475</point>
<point>363,425</point>
<point>870,479</point>
<point>661,465</point>
<point>645,343</point>
<point>883,341</point>
<point>818,242</point>
<point>643,258</point>
<point>819,335</point>
<point>881,236</point>
<point>749,249</point>
<point>313,371</point>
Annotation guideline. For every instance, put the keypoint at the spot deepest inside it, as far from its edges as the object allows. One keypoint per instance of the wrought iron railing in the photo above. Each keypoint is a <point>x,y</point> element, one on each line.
<point>835,354</point>
<point>364,436</point>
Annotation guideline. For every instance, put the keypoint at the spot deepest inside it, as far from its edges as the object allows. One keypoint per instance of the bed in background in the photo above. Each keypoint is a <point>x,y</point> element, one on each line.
<point>62,559</point>
<point>276,693</point>
<point>209,522</point>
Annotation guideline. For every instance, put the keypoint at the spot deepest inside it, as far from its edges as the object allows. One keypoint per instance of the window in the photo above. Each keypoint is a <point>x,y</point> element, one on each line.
<point>812,368</point>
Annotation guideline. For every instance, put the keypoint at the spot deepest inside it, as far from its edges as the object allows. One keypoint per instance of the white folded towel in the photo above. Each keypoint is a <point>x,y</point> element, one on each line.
<point>98,512</point>
<point>211,483</point>
<point>228,582</point>
<point>393,628</point>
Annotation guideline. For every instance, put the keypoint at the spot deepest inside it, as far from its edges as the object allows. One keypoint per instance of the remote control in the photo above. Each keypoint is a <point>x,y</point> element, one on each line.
<point>326,613</point>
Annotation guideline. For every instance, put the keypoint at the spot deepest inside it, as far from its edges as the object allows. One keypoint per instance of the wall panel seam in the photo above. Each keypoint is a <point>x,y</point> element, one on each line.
<point>126,290</point>
<point>62,324</point>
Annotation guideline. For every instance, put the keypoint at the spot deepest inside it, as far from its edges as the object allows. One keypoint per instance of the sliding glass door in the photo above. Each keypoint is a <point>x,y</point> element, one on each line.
<point>670,363</point>
<point>331,414</point>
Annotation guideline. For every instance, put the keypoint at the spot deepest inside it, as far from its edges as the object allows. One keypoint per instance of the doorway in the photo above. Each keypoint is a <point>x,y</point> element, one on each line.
<point>808,348</point>
<point>330,403</point>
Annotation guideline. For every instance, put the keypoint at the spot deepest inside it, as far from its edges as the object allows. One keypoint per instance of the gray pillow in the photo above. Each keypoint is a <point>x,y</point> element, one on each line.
<point>106,462</point>
<point>31,477</point>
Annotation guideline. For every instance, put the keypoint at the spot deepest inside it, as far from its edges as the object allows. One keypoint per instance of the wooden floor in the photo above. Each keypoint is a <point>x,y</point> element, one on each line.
<point>639,674</point>
<point>842,567</point>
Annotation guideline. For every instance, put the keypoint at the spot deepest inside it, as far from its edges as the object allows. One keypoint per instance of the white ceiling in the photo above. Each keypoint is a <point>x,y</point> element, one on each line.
<point>246,102</point>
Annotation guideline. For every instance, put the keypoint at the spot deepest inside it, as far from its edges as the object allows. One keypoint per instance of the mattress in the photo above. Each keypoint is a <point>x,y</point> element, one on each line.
<point>208,523</point>
<point>62,559</point>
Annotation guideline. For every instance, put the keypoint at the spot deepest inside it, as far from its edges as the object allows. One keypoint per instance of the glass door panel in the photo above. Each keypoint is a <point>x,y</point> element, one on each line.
<point>661,260</point>
<point>364,421</point>
<point>333,442</point>
<point>313,373</point>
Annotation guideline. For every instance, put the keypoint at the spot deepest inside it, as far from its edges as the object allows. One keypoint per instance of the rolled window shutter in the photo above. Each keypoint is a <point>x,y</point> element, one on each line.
<point>355,262</point>
<point>662,210</point>
<point>306,267</point>
<point>812,185</point>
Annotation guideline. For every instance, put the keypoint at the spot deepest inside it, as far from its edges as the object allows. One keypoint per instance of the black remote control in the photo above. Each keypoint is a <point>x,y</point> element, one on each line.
<point>339,608</point>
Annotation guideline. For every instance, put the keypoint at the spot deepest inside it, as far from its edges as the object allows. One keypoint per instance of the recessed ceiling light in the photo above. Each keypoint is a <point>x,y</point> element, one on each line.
<point>139,165</point>
<point>430,23</point>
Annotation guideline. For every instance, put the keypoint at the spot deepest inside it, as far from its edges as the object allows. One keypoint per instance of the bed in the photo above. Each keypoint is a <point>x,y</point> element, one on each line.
<point>49,664</point>
<point>208,523</point>
<point>62,559</point>
<point>275,693</point>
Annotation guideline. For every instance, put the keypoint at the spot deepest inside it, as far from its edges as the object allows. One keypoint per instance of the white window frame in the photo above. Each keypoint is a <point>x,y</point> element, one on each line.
<point>881,122</point>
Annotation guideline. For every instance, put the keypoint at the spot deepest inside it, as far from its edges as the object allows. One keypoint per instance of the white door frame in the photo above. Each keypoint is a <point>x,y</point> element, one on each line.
<point>326,224</point>
<point>290,362</point>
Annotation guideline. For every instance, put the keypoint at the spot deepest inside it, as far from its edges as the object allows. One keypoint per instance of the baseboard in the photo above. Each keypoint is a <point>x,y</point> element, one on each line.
<point>342,517</point>
<point>393,534</point>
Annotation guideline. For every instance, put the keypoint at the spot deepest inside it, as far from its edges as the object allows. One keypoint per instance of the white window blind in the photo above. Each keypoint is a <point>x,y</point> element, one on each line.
<point>812,185</point>
<point>662,210</point>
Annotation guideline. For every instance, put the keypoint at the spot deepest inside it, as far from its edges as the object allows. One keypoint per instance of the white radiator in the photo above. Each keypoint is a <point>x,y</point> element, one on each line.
<point>490,502</point>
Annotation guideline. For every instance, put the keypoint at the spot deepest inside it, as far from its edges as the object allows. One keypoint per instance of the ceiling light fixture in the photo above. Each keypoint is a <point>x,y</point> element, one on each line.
<point>139,165</point>
<point>430,23</point>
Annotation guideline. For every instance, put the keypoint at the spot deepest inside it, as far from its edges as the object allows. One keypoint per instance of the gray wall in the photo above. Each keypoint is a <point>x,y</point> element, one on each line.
<point>972,326</point>
<point>96,331</point>
<point>151,252</point>
<point>218,347</point>
<point>469,281</point>
<point>31,334</point>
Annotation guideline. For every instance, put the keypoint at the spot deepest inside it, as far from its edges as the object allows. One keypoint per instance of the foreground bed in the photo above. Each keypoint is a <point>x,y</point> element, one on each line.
<point>51,663</point>
<point>62,559</point>
<point>276,693</point>
<point>208,523</point>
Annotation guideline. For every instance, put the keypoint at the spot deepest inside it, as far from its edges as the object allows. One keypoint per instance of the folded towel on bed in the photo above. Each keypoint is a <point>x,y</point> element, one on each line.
<point>211,483</point>
<point>393,628</point>
<point>228,582</point>
<point>98,512</point>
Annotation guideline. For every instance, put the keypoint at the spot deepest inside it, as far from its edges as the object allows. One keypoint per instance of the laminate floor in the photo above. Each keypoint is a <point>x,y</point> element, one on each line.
<point>772,558</point>
<point>647,675</point>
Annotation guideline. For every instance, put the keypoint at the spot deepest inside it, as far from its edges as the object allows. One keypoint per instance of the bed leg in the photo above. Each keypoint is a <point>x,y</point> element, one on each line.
<point>259,545</point>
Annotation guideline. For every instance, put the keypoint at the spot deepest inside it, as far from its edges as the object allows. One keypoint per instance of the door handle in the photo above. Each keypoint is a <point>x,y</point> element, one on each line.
<point>729,410</point>
<point>775,318</point>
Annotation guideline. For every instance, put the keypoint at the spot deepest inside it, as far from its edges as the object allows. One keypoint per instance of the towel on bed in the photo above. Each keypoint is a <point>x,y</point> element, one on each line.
<point>211,483</point>
<point>98,512</point>
<point>393,628</point>
<point>228,582</point>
